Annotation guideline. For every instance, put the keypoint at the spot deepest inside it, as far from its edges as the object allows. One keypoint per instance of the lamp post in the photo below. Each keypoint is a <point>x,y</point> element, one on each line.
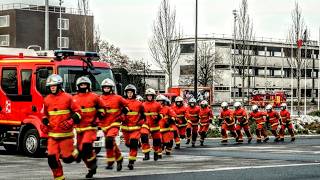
<point>234,12</point>
<point>46,22</point>
<point>60,22</point>
<point>196,54</point>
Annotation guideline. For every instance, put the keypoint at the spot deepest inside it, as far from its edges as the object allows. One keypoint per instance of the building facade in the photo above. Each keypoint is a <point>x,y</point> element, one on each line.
<point>23,25</point>
<point>268,67</point>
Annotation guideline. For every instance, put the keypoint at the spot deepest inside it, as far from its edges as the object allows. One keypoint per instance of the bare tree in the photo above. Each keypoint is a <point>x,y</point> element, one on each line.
<point>112,54</point>
<point>296,33</point>
<point>163,50</point>
<point>244,36</point>
<point>97,39</point>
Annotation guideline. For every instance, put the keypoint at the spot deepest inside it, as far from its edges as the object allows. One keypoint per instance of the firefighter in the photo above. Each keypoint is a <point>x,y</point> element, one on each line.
<point>151,126</point>
<point>272,120</point>
<point>165,123</point>
<point>60,115</point>
<point>132,123</point>
<point>227,123</point>
<point>181,120</point>
<point>139,98</point>
<point>259,118</point>
<point>110,124</point>
<point>286,122</point>
<point>193,119</point>
<point>240,116</point>
<point>206,116</point>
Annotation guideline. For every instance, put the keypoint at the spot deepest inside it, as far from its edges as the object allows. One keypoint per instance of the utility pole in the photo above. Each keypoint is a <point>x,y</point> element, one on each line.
<point>196,55</point>
<point>234,12</point>
<point>46,24</point>
<point>60,22</point>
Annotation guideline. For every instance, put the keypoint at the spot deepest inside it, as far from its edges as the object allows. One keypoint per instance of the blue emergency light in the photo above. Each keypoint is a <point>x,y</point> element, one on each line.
<point>66,53</point>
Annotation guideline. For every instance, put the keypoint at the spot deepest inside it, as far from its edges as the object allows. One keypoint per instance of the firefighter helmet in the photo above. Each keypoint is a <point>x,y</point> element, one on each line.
<point>224,104</point>
<point>237,104</point>
<point>139,98</point>
<point>131,87</point>
<point>192,100</point>
<point>204,103</point>
<point>167,101</point>
<point>108,83</point>
<point>150,91</point>
<point>178,99</point>
<point>269,107</point>
<point>254,108</point>
<point>83,80</point>
<point>54,79</point>
<point>160,97</point>
<point>283,106</point>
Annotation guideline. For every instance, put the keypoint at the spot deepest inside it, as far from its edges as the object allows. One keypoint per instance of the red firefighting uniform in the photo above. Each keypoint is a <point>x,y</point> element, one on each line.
<point>131,127</point>
<point>58,109</point>
<point>111,125</point>
<point>240,116</point>
<point>273,120</point>
<point>87,130</point>
<point>228,124</point>
<point>193,122</point>
<point>181,121</point>
<point>206,116</point>
<point>286,123</point>
<point>165,127</point>
<point>259,118</point>
<point>151,126</point>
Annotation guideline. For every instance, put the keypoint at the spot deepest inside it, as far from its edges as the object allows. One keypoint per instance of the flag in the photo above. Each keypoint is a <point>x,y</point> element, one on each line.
<point>300,43</point>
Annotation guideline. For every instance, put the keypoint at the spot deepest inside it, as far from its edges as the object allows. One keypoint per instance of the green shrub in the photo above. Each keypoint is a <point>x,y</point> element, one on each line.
<point>314,113</point>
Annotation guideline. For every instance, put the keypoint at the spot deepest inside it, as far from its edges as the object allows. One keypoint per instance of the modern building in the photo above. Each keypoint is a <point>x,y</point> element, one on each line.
<point>23,25</point>
<point>268,69</point>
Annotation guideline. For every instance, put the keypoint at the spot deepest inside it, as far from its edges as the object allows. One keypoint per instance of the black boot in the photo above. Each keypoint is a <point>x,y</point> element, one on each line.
<point>159,155</point>
<point>146,156</point>
<point>91,172</point>
<point>130,165</point>
<point>276,139</point>
<point>155,156</point>
<point>177,146</point>
<point>188,141</point>
<point>109,167</point>
<point>258,140</point>
<point>266,139</point>
<point>119,165</point>
<point>281,140</point>
<point>201,143</point>
<point>293,139</point>
<point>249,140</point>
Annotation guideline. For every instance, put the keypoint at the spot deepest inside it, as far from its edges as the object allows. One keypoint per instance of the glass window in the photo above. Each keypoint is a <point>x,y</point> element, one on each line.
<point>64,23</point>
<point>64,42</point>
<point>5,21</point>
<point>187,48</point>
<point>4,40</point>
<point>9,81</point>
<point>186,69</point>
<point>41,79</point>
<point>26,81</point>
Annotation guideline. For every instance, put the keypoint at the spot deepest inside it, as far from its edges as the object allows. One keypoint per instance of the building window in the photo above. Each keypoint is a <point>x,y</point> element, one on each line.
<point>64,42</point>
<point>64,23</point>
<point>186,69</point>
<point>4,40</point>
<point>9,81</point>
<point>4,21</point>
<point>187,48</point>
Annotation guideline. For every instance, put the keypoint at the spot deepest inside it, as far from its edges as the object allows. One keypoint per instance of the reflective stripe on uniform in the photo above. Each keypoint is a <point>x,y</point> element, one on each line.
<point>114,124</point>
<point>193,124</point>
<point>275,124</point>
<point>101,110</point>
<point>75,153</point>
<point>59,178</point>
<point>151,114</point>
<point>87,110</point>
<point>146,150</point>
<point>145,126</point>
<point>60,135</point>
<point>155,128</point>
<point>194,115</point>
<point>182,125</point>
<point>164,129</point>
<point>181,115</point>
<point>79,130</point>
<point>132,113</point>
<point>111,159</point>
<point>130,128</point>
<point>112,110</point>
<point>132,158</point>
<point>59,112</point>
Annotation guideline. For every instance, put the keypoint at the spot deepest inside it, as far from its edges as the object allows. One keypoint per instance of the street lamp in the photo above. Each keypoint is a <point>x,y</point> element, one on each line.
<point>234,12</point>
<point>196,54</point>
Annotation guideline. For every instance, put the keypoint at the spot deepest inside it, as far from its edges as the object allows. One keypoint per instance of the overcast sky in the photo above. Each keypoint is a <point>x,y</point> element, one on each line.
<point>128,23</point>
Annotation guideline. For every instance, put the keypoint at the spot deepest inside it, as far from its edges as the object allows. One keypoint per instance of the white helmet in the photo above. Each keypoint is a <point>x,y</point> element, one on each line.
<point>108,82</point>
<point>82,80</point>
<point>192,100</point>
<point>139,98</point>
<point>168,101</point>
<point>254,108</point>
<point>237,104</point>
<point>178,99</point>
<point>131,87</point>
<point>161,97</point>
<point>224,104</point>
<point>269,107</point>
<point>54,79</point>
<point>204,103</point>
<point>283,106</point>
<point>150,91</point>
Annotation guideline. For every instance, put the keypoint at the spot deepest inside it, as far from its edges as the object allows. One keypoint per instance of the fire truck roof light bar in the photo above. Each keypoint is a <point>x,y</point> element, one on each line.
<point>66,53</point>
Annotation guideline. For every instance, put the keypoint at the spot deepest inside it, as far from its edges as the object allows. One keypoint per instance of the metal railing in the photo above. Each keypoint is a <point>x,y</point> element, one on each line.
<point>41,8</point>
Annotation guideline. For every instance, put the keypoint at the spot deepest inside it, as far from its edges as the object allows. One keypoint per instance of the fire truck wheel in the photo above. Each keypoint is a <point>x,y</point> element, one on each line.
<point>31,143</point>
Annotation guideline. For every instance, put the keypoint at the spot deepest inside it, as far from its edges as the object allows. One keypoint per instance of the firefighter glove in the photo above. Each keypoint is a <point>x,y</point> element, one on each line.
<point>76,118</point>
<point>125,110</point>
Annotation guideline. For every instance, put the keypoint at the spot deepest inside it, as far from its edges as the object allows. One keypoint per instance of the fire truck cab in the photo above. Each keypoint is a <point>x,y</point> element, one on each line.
<point>23,88</point>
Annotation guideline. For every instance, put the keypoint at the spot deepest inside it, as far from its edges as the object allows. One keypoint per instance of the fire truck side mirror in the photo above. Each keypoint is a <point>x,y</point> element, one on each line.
<point>43,73</point>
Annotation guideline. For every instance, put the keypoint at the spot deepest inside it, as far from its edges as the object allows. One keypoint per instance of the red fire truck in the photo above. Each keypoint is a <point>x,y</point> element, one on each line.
<point>275,98</point>
<point>23,87</point>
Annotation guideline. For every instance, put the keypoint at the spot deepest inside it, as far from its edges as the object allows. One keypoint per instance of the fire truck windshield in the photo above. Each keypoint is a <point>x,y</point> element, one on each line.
<point>71,74</point>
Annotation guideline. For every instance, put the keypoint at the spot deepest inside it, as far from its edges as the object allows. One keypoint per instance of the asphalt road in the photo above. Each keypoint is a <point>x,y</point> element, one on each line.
<point>298,160</point>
